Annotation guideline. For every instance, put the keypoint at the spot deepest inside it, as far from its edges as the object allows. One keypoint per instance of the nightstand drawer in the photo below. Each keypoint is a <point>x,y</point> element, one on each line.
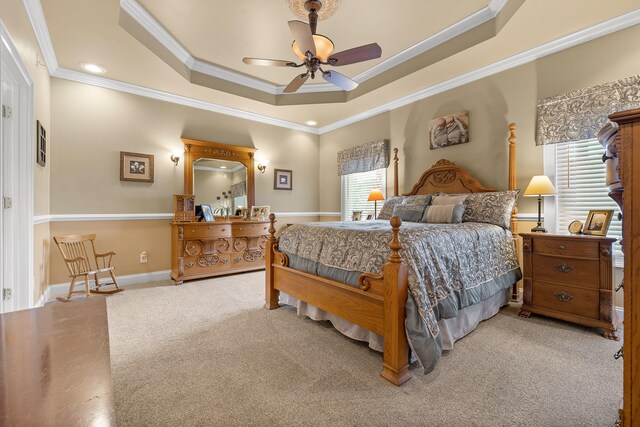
<point>566,247</point>
<point>566,299</point>
<point>572,271</point>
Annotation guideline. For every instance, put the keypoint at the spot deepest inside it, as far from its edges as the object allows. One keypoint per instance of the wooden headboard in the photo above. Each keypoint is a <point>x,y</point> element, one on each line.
<point>447,177</point>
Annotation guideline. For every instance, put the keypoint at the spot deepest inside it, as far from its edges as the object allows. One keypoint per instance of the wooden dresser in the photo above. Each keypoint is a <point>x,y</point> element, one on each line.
<point>206,249</point>
<point>570,278</point>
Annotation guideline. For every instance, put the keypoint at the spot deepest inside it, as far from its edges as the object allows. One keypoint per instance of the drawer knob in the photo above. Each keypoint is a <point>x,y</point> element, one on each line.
<point>563,247</point>
<point>563,268</point>
<point>193,230</point>
<point>561,296</point>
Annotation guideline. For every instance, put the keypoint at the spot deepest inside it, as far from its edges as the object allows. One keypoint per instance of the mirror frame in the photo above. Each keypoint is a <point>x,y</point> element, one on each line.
<point>195,149</point>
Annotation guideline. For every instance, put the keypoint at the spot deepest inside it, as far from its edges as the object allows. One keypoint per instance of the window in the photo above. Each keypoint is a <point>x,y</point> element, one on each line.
<point>580,179</point>
<point>355,192</point>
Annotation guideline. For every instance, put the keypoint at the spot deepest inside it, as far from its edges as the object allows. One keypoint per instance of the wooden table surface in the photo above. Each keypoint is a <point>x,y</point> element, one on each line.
<point>55,366</point>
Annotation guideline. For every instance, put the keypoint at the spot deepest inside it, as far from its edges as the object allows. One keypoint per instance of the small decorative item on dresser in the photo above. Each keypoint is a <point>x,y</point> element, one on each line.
<point>184,207</point>
<point>598,222</point>
<point>207,213</point>
<point>356,216</point>
<point>575,227</point>
<point>282,179</point>
<point>570,277</point>
<point>136,167</point>
<point>369,217</point>
<point>260,212</point>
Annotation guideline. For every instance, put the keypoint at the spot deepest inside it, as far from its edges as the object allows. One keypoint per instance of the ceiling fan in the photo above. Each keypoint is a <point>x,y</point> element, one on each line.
<point>316,50</point>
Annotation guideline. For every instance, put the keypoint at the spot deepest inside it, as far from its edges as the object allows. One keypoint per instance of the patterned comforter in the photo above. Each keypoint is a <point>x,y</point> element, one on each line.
<point>451,266</point>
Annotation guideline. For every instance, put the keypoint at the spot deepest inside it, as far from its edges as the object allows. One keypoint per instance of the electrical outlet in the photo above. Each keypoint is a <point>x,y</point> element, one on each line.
<point>143,257</point>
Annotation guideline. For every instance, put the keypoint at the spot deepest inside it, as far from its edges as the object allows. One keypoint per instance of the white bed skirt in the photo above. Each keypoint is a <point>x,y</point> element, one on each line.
<point>451,329</point>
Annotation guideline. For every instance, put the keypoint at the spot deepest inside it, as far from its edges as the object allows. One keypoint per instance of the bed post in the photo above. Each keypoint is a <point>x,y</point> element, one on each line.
<point>271,294</point>
<point>395,172</point>
<point>513,185</point>
<point>396,349</point>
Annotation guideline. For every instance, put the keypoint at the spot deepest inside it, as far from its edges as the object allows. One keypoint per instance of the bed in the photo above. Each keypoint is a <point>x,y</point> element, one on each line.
<point>405,284</point>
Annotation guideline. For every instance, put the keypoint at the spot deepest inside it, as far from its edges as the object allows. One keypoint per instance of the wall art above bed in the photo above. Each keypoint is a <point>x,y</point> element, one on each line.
<point>449,130</point>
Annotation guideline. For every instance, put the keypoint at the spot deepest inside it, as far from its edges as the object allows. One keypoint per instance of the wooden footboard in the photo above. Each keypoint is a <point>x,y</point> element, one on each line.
<point>378,304</point>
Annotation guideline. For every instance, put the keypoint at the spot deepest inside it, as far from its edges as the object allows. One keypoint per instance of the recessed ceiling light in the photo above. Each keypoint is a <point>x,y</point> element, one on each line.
<point>223,167</point>
<point>311,123</point>
<point>93,68</point>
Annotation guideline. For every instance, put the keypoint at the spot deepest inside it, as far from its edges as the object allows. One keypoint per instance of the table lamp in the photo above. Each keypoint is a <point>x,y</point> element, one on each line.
<point>539,186</point>
<point>374,196</point>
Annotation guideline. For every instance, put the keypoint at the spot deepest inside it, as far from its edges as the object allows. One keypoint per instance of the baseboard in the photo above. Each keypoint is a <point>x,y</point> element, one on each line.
<point>123,281</point>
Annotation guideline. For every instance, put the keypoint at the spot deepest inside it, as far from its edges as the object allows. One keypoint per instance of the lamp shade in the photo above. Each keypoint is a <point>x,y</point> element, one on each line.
<point>375,195</point>
<point>324,47</point>
<point>540,185</point>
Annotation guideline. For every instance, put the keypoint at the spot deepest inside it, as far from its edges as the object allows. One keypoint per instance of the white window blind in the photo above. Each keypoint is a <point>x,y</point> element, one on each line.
<point>581,186</point>
<point>355,192</point>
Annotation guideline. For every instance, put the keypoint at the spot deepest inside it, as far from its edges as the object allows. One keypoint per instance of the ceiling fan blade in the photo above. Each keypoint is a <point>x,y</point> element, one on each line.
<point>296,83</point>
<point>357,54</point>
<point>268,62</point>
<point>340,80</point>
<point>302,35</point>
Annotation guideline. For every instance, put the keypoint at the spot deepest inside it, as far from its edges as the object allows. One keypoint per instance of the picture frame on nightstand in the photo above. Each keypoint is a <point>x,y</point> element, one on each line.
<point>598,222</point>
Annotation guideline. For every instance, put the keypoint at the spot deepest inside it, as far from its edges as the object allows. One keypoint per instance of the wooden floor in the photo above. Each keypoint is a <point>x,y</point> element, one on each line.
<point>55,366</point>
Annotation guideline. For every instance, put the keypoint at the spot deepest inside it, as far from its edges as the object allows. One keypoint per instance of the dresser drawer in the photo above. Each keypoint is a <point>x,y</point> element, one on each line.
<point>240,229</point>
<point>206,231</point>
<point>566,299</point>
<point>571,271</point>
<point>206,263</point>
<point>574,248</point>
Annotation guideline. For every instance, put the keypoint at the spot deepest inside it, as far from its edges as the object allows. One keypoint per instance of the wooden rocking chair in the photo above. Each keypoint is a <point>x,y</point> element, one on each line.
<point>74,250</point>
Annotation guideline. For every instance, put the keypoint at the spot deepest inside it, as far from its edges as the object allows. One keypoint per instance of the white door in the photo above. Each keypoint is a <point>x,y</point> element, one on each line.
<point>8,180</point>
<point>16,178</point>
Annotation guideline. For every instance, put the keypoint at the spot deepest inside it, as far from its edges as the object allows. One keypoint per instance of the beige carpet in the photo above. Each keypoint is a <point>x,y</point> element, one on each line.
<point>207,353</point>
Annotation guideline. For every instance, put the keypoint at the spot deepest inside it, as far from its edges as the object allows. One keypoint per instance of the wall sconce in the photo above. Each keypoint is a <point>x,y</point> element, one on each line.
<point>175,157</point>
<point>262,165</point>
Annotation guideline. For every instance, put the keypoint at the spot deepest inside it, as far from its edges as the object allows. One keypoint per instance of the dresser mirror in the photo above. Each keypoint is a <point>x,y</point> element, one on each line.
<point>222,184</point>
<point>213,171</point>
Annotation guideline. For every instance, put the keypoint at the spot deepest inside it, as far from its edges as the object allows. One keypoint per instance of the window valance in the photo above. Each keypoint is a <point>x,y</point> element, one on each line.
<point>239,189</point>
<point>364,158</point>
<point>579,115</point>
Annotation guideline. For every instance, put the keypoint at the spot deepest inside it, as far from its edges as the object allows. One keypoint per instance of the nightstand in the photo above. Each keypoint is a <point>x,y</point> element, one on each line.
<point>570,277</point>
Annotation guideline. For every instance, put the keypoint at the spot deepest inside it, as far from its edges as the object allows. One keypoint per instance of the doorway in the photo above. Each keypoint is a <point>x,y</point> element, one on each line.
<point>16,179</point>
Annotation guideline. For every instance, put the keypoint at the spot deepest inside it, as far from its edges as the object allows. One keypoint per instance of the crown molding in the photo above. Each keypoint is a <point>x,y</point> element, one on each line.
<point>162,36</point>
<point>106,83</point>
<point>599,30</point>
<point>35,14</point>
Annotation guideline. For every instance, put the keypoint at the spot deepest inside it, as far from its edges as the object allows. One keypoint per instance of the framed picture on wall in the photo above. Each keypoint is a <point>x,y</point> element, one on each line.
<point>41,144</point>
<point>282,179</point>
<point>136,167</point>
<point>449,130</point>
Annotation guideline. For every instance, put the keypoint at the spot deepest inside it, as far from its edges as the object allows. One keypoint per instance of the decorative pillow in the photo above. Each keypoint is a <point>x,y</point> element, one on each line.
<point>411,213</point>
<point>387,208</point>
<point>443,214</point>
<point>448,199</point>
<point>492,208</point>
<point>420,199</point>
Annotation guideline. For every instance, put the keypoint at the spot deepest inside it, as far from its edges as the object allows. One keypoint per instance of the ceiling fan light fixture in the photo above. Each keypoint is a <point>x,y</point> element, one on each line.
<point>324,48</point>
<point>327,10</point>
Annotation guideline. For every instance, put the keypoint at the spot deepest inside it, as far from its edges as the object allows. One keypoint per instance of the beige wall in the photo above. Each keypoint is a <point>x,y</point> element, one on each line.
<point>13,16</point>
<point>493,103</point>
<point>93,125</point>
